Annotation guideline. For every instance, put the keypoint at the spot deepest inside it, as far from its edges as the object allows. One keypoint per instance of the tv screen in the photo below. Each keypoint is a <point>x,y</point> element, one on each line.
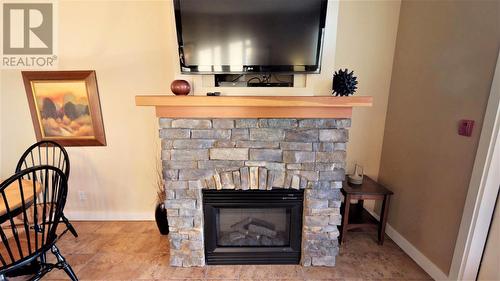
<point>250,36</point>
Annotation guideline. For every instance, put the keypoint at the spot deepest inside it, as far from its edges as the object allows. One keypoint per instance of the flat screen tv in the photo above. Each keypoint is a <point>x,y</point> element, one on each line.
<point>250,36</point>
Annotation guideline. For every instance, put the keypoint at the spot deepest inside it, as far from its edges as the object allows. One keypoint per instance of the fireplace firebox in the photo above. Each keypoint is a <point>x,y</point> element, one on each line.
<point>253,226</point>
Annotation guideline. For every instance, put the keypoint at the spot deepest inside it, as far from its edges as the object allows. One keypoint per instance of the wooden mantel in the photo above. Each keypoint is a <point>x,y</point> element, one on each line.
<point>253,106</point>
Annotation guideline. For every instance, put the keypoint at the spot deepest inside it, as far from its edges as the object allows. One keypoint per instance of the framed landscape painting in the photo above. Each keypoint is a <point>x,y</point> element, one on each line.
<point>65,107</point>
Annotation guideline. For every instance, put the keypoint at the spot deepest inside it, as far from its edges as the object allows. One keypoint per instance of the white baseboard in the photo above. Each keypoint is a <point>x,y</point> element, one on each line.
<point>109,216</point>
<point>426,264</point>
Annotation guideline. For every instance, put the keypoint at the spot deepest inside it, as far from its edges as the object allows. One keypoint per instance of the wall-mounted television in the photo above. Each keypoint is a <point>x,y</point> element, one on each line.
<point>250,36</point>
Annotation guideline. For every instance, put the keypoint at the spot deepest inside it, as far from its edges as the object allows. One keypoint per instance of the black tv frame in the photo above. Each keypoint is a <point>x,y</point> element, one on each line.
<point>225,69</point>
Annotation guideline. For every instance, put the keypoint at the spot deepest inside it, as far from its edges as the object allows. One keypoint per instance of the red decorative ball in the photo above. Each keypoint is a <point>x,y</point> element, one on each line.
<point>180,87</point>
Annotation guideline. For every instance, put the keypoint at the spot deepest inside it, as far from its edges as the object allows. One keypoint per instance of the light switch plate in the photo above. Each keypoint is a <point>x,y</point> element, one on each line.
<point>465,127</point>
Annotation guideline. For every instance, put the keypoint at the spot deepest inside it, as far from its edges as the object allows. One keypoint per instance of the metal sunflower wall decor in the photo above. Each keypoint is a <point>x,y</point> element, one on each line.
<point>344,83</point>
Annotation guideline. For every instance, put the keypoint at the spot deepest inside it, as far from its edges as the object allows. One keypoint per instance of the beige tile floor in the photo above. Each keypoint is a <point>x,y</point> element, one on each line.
<point>136,251</point>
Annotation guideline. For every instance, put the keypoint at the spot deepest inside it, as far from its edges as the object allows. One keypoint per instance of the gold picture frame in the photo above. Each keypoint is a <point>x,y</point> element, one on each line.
<point>65,107</point>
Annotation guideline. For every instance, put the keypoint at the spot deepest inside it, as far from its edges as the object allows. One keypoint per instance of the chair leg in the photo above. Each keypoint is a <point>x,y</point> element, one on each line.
<point>36,277</point>
<point>65,266</point>
<point>43,259</point>
<point>69,226</point>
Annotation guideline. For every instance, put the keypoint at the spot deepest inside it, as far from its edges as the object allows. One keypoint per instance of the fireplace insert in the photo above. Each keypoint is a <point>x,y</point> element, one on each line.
<point>253,226</point>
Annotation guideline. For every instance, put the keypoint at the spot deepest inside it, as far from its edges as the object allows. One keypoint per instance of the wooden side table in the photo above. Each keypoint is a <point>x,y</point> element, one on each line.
<point>355,216</point>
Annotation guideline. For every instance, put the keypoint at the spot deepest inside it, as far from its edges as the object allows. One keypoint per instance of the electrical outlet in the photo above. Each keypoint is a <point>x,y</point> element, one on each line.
<point>82,195</point>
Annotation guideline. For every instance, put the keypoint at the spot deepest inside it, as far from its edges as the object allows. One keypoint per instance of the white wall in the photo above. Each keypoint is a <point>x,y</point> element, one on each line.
<point>128,45</point>
<point>132,47</point>
<point>365,43</point>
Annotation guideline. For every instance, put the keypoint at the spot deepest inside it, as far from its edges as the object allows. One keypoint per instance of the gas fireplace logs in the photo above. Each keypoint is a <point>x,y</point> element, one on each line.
<point>253,232</point>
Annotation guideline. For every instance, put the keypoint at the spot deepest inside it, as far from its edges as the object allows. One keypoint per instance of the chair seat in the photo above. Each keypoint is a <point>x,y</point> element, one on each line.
<point>30,269</point>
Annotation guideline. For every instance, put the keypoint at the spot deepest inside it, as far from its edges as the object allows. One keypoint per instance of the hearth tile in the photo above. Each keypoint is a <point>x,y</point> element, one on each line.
<point>161,270</point>
<point>366,241</point>
<point>409,269</point>
<point>346,267</point>
<point>223,272</point>
<point>110,228</point>
<point>156,265</point>
<point>273,279</point>
<point>77,262</point>
<point>123,243</point>
<point>115,266</point>
<point>347,279</point>
<point>86,226</point>
<point>156,268</point>
<point>166,278</point>
<point>386,266</point>
<point>142,227</point>
<point>144,243</point>
<point>184,272</point>
<point>392,279</point>
<point>84,244</point>
<point>272,272</point>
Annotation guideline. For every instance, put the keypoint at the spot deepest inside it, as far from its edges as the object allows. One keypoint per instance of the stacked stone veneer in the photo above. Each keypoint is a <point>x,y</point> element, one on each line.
<point>255,154</point>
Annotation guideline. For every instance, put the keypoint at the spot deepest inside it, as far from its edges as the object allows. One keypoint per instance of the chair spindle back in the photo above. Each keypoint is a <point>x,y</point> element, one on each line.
<point>36,197</point>
<point>45,153</point>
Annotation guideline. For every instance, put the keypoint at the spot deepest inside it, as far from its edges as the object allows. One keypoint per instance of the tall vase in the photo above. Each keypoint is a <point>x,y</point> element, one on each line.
<point>161,218</point>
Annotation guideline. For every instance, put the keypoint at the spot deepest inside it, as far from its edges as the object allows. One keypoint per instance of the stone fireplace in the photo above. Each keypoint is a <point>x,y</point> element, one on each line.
<point>253,156</point>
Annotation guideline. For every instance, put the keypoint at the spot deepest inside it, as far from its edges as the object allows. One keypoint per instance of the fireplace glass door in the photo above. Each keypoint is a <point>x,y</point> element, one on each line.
<point>252,227</point>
